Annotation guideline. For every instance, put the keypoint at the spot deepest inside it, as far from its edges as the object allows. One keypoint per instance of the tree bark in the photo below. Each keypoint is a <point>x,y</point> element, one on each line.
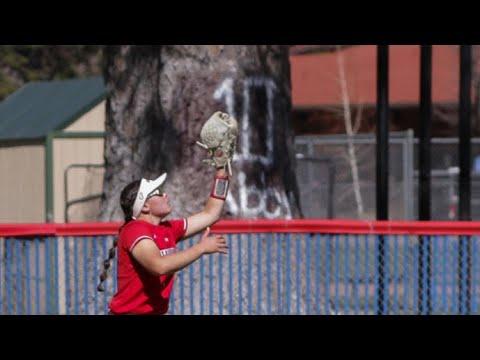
<point>160,96</point>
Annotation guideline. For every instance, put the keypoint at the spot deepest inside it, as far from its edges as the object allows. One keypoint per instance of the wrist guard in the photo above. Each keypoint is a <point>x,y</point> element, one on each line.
<point>220,187</point>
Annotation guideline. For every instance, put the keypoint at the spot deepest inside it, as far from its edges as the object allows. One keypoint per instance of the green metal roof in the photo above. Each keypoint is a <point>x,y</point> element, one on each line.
<point>39,108</point>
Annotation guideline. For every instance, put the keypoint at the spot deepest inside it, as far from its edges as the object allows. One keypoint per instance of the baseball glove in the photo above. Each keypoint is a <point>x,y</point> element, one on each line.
<point>218,136</point>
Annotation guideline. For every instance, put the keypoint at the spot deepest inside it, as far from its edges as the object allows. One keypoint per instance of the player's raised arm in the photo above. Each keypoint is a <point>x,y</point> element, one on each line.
<point>218,137</point>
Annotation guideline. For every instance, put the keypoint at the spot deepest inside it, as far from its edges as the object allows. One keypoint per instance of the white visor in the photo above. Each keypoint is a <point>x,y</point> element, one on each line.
<point>147,187</point>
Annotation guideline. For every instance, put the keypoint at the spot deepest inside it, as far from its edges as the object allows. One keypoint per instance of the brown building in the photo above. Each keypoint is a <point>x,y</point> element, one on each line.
<point>317,95</point>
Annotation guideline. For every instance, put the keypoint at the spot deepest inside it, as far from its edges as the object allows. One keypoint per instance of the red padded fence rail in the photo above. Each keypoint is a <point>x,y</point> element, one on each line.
<point>264,226</point>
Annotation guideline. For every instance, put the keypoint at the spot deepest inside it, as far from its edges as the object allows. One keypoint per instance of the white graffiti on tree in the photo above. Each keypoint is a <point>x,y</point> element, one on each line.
<point>241,207</point>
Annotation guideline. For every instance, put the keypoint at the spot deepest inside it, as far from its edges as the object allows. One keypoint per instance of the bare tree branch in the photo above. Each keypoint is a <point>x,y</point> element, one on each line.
<point>348,126</point>
<point>358,118</point>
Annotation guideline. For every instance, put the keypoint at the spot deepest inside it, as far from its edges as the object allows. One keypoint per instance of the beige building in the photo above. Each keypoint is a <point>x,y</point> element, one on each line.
<point>51,151</point>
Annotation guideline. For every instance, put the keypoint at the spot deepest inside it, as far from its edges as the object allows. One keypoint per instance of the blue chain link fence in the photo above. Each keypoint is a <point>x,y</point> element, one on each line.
<point>263,273</point>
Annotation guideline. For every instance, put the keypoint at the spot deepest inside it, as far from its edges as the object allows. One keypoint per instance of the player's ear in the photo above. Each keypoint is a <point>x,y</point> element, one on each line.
<point>146,207</point>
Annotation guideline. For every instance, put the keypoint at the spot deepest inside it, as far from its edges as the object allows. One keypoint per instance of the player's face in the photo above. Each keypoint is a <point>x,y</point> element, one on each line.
<point>159,205</point>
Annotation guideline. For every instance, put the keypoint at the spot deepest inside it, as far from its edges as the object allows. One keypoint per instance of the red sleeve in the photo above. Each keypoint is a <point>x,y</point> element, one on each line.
<point>133,233</point>
<point>179,228</point>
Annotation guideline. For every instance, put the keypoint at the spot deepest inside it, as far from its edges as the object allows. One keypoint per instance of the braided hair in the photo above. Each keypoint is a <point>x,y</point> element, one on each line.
<point>127,198</point>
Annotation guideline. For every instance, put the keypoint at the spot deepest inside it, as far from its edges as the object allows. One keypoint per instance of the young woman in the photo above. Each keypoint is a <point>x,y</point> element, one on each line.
<point>147,258</point>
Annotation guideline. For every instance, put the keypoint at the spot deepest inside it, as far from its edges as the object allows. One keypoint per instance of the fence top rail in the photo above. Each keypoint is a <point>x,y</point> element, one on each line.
<point>263,226</point>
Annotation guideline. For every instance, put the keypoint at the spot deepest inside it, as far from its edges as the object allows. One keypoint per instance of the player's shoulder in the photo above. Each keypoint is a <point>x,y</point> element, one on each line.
<point>135,226</point>
<point>170,223</point>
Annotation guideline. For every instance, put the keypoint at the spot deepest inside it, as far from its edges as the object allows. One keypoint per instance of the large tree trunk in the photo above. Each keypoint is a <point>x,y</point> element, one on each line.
<point>160,96</point>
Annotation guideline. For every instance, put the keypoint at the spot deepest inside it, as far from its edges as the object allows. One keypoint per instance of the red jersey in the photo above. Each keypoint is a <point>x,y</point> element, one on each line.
<point>140,292</point>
